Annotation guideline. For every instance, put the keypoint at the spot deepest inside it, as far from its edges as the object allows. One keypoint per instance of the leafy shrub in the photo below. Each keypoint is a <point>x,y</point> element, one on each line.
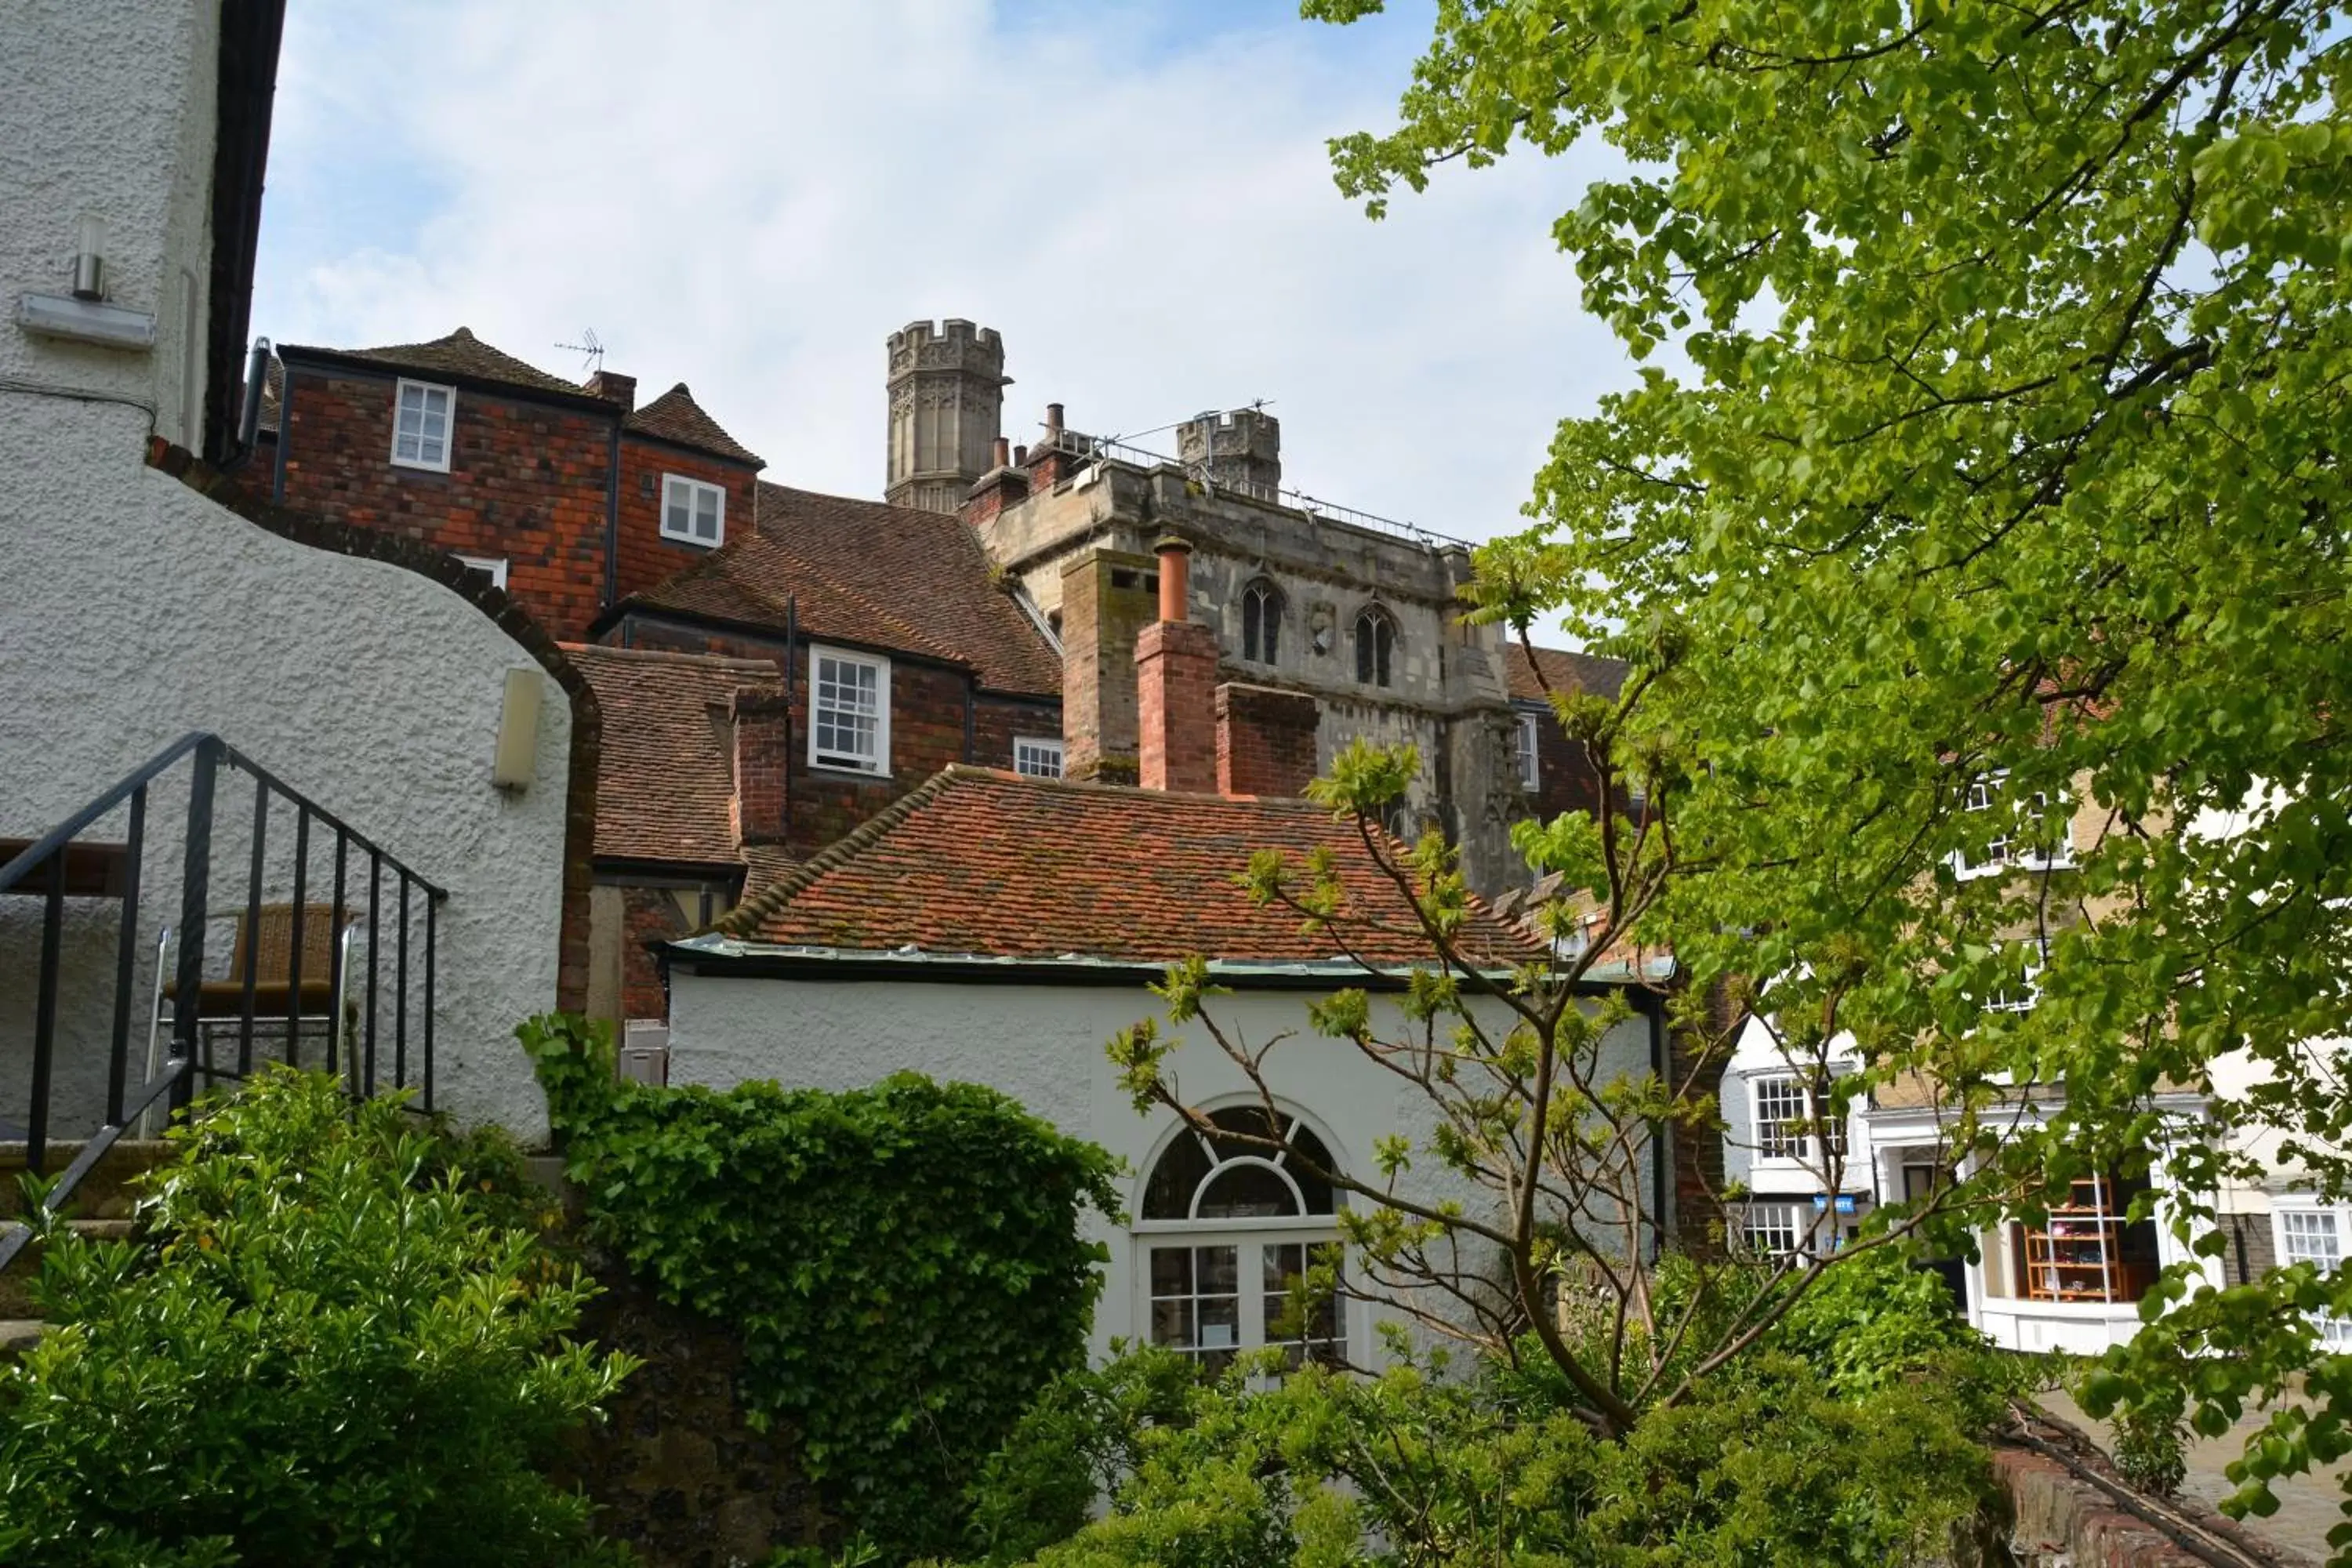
<point>337,1345</point>
<point>1764,1466</point>
<point>904,1264</point>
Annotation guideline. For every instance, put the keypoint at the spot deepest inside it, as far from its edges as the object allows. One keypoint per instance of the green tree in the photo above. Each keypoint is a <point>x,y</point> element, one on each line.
<point>1983,462</point>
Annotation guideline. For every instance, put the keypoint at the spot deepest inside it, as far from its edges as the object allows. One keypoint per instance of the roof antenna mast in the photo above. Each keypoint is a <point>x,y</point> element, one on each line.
<point>590,350</point>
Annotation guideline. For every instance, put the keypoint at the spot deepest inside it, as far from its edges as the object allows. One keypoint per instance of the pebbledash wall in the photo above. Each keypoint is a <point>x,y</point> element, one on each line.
<point>137,610</point>
<point>1043,1045</point>
<point>141,611</point>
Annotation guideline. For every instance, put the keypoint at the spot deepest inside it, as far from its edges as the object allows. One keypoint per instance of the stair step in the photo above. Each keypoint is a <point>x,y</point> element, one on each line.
<point>105,1193</point>
<point>16,1304</point>
<point>19,1335</point>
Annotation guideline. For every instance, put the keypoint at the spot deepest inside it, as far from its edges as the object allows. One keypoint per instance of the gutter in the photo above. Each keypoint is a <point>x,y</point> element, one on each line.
<point>713,952</point>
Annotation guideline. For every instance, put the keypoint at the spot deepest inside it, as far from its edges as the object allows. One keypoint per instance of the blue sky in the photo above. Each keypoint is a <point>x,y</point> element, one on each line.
<point>750,197</point>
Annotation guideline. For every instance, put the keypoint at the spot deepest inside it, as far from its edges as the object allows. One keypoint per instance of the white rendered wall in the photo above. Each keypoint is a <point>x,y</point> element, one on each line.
<point>1044,1046</point>
<point>138,610</point>
<point>135,611</point>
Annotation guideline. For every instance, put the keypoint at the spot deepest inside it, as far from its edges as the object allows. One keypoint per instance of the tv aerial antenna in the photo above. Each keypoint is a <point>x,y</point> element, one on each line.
<point>592,353</point>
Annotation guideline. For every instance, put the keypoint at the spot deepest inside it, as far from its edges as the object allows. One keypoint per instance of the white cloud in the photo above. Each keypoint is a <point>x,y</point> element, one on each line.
<point>750,197</point>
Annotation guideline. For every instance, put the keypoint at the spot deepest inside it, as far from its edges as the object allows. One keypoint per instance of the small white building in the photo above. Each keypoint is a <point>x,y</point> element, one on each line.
<point>997,928</point>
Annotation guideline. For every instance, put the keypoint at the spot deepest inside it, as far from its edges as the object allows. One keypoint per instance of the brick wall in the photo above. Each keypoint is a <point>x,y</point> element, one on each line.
<point>1565,777</point>
<point>527,483</point>
<point>649,914</point>
<point>997,720</point>
<point>1107,599</point>
<point>927,726</point>
<point>1265,740</point>
<point>1176,726</point>
<point>646,558</point>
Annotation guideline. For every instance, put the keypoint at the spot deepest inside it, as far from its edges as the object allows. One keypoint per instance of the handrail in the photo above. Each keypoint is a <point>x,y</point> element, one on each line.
<point>201,1012</point>
<point>57,838</point>
<point>14,870</point>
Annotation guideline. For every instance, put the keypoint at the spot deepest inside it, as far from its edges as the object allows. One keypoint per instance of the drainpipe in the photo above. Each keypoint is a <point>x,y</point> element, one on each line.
<point>613,516</point>
<point>285,436</point>
<point>1662,1159</point>
<point>791,660</point>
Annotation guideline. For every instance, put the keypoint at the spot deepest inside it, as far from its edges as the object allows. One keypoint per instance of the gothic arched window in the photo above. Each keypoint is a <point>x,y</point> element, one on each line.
<point>1261,622</point>
<point>1375,645</point>
<point>1227,1232</point>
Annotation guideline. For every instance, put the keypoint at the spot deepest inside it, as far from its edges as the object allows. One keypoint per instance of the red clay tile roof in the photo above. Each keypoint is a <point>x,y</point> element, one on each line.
<point>1565,670</point>
<point>890,576</point>
<point>459,353</point>
<point>677,419</point>
<point>666,782</point>
<point>982,862</point>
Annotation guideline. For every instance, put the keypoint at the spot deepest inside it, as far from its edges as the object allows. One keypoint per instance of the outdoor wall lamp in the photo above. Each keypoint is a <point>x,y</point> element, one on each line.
<point>516,761</point>
<point>83,316</point>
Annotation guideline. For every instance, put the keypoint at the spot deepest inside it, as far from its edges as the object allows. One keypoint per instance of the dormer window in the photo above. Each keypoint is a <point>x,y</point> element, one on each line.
<point>1375,646</point>
<point>693,512</point>
<point>1261,622</point>
<point>420,429</point>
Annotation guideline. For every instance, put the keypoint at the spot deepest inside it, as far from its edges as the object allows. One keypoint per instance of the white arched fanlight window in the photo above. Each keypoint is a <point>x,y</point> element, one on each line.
<point>1226,1231</point>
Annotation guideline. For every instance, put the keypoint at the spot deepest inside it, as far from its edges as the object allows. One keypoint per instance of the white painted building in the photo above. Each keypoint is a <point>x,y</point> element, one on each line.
<point>139,609</point>
<point>996,929</point>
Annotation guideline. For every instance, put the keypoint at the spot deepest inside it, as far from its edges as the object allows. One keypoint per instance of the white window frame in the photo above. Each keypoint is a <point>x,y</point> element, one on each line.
<point>2009,847</point>
<point>695,491</point>
<point>2025,1000</point>
<point>1037,747</point>
<point>1529,760</point>
<point>424,415</point>
<point>1775,1228</point>
<point>841,762</point>
<point>2334,1332</point>
<point>1781,1147</point>
<point>491,566</point>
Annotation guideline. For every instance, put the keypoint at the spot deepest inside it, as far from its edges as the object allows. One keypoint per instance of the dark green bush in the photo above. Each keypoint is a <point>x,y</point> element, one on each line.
<point>904,1263</point>
<point>337,1344</point>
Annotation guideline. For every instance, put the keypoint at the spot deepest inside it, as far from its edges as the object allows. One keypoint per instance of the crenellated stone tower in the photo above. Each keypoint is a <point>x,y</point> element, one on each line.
<point>946,405</point>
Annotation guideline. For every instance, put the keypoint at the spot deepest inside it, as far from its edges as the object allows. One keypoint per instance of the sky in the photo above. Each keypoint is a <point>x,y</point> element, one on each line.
<point>750,195</point>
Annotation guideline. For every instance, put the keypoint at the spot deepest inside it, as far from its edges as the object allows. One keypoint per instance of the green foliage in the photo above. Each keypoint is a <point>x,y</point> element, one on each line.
<point>1993,435</point>
<point>1079,1442</point>
<point>1877,1321</point>
<point>904,1263</point>
<point>340,1342</point>
<point>1771,1466</point>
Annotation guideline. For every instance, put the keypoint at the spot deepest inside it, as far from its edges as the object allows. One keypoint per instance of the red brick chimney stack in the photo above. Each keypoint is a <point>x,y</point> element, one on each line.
<point>1175,687</point>
<point>762,746</point>
<point>615,387</point>
<point>1265,740</point>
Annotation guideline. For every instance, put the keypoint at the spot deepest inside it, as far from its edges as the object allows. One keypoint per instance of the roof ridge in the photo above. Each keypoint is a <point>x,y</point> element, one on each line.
<point>676,655</point>
<point>745,918</point>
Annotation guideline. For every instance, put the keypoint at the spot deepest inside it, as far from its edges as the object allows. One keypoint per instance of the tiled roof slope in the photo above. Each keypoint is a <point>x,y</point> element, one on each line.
<point>755,576</point>
<point>982,862</point>
<point>887,575</point>
<point>459,353</point>
<point>1564,670</point>
<point>666,783</point>
<point>676,417</point>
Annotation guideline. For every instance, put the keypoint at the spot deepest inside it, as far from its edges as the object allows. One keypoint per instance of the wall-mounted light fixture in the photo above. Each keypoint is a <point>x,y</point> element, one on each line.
<point>516,761</point>
<point>83,315</point>
<point>90,259</point>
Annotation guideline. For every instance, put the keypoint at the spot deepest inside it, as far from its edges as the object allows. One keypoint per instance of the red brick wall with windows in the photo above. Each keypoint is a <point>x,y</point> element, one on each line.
<point>1565,779</point>
<point>646,557</point>
<point>927,726</point>
<point>998,721</point>
<point>527,483</point>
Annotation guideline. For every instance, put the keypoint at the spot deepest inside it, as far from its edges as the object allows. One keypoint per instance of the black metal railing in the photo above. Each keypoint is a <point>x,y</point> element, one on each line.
<point>273,945</point>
